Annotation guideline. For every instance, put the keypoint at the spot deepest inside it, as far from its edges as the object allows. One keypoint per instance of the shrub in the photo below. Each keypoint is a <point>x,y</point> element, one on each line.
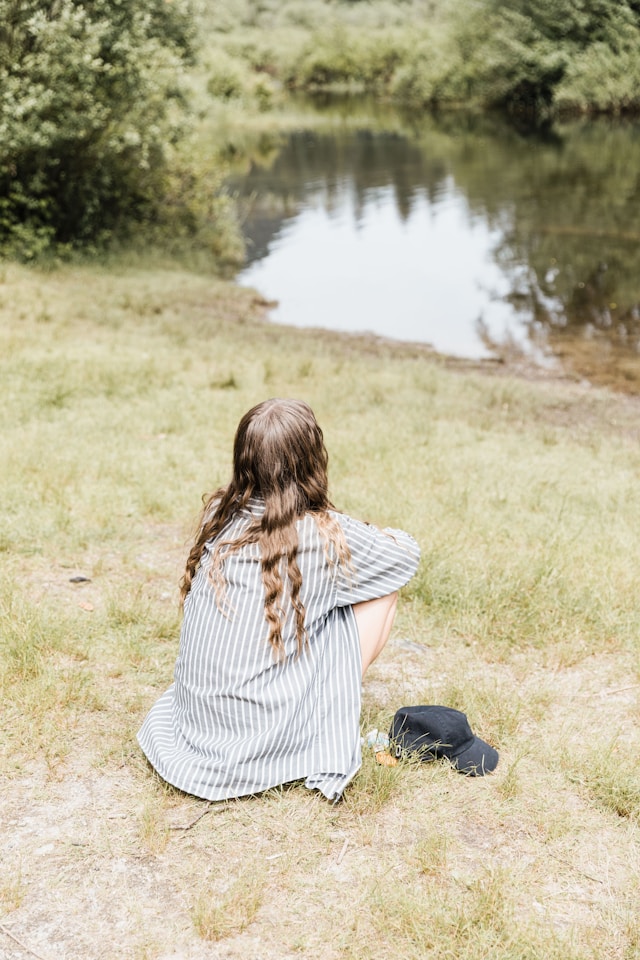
<point>226,79</point>
<point>597,81</point>
<point>90,106</point>
<point>518,54</point>
<point>344,57</point>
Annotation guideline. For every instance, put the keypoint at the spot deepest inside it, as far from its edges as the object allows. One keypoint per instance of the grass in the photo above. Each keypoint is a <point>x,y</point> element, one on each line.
<point>121,390</point>
<point>218,919</point>
<point>609,780</point>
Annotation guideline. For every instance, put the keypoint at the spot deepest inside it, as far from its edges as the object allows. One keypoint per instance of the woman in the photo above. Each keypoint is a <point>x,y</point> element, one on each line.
<point>286,603</point>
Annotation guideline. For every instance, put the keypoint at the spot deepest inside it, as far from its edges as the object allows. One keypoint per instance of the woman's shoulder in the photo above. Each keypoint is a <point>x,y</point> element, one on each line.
<point>360,533</point>
<point>353,525</point>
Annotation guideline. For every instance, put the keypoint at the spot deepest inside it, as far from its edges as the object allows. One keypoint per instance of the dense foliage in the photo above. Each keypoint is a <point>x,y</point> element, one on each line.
<point>541,57</point>
<point>89,107</point>
<point>551,54</point>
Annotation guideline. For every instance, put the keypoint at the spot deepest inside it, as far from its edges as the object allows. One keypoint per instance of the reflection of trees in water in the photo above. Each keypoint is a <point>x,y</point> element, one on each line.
<point>594,335</point>
<point>589,306</point>
<point>571,248</point>
<point>565,203</point>
<point>352,167</point>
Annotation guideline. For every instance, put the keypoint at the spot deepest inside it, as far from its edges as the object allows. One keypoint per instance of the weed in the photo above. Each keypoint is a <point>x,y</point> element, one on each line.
<point>610,780</point>
<point>12,891</point>
<point>154,832</point>
<point>217,918</point>
<point>128,609</point>
<point>29,634</point>
<point>373,787</point>
<point>510,786</point>
<point>632,937</point>
<point>430,854</point>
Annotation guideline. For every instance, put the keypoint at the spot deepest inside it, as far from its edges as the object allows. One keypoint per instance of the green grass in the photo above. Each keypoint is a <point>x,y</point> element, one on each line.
<point>121,390</point>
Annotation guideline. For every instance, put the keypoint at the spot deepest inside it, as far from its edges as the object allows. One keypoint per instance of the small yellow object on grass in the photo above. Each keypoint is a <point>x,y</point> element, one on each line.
<point>385,759</point>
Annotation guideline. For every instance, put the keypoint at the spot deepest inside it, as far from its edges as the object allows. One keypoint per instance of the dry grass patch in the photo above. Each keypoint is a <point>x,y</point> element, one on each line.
<point>606,774</point>
<point>12,892</point>
<point>373,787</point>
<point>218,918</point>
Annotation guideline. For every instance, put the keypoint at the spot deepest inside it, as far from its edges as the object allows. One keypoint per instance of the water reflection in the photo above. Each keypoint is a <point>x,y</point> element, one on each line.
<point>466,234</point>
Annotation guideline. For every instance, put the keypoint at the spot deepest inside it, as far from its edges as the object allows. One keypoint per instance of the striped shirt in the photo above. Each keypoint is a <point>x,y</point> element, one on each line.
<point>237,720</point>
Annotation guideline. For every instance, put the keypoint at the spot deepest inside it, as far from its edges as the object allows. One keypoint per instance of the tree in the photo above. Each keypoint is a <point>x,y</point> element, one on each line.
<point>517,53</point>
<point>90,104</point>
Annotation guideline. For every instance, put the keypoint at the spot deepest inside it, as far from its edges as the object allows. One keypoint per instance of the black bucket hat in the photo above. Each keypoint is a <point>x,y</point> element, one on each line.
<point>433,732</point>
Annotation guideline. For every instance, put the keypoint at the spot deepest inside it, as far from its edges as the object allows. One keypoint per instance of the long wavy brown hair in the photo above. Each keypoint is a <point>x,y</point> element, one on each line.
<point>279,456</point>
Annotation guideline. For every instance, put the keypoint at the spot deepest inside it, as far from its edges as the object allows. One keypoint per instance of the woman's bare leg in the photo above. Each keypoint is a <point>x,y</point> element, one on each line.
<point>374,619</point>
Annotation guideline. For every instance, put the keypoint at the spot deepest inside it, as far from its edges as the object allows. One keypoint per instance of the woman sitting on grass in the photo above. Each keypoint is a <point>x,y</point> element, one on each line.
<point>286,603</point>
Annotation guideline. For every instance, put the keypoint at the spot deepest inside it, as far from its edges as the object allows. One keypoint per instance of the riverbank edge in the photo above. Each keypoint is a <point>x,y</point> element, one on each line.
<point>602,403</point>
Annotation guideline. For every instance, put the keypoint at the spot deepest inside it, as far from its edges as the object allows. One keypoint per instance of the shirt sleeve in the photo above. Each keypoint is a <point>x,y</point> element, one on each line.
<point>382,561</point>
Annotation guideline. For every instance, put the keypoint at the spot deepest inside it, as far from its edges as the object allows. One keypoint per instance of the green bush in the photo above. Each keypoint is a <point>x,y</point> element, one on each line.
<point>518,54</point>
<point>226,79</point>
<point>343,57</point>
<point>426,75</point>
<point>90,106</point>
<point>597,81</point>
<point>518,67</point>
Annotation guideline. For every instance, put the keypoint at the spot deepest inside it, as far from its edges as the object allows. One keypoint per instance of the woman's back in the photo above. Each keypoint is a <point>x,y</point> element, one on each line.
<point>239,720</point>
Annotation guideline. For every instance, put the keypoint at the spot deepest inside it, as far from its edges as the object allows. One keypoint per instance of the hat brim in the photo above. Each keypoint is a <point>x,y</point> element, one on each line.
<point>477,759</point>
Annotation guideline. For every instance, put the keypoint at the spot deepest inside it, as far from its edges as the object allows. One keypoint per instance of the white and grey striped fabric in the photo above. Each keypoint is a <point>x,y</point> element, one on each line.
<point>237,721</point>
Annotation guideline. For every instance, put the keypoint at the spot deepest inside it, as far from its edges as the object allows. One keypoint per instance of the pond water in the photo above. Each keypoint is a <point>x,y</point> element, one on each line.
<point>467,234</point>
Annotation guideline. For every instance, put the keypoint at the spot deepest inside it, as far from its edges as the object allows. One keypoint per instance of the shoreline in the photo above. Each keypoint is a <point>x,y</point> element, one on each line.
<point>512,363</point>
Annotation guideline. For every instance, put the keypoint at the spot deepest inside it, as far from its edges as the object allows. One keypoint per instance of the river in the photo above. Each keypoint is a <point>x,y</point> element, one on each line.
<point>469,234</point>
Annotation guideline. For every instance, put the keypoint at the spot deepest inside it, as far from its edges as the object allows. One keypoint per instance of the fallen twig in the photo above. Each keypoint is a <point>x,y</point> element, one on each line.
<point>210,806</point>
<point>568,863</point>
<point>620,690</point>
<point>607,693</point>
<point>20,943</point>
<point>343,851</point>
